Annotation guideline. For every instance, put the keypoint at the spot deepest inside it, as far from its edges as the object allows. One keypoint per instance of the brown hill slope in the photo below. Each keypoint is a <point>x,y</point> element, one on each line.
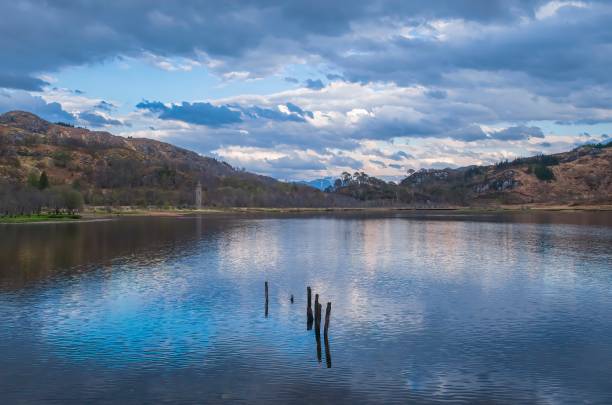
<point>111,170</point>
<point>581,176</point>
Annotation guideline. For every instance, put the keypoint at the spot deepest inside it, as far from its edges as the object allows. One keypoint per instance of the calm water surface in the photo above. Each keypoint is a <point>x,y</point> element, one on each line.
<point>426,307</point>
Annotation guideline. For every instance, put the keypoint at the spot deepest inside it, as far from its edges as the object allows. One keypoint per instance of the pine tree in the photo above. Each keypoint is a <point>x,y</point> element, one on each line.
<point>43,183</point>
<point>33,180</point>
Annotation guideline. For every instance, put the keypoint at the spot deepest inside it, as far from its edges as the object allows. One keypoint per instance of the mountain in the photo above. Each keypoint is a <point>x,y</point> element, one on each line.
<point>105,169</point>
<point>320,184</point>
<point>113,170</point>
<point>581,176</point>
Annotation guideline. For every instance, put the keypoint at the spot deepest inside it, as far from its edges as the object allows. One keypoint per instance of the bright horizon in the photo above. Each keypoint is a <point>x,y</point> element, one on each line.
<point>301,91</point>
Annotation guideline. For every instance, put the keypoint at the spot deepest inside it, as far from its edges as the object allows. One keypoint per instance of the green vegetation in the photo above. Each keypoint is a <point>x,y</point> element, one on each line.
<point>33,180</point>
<point>43,182</point>
<point>61,158</point>
<point>600,145</point>
<point>20,219</point>
<point>541,160</point>
<point>364,188</point>
<point>37,196</point>
<point>64,124</point>
<point>543,173</point>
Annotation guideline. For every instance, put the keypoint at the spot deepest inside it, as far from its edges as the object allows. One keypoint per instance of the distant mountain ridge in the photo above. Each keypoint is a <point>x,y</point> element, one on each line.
<point>114,170</point>
<point>580,176</point>
<point>320,184</point>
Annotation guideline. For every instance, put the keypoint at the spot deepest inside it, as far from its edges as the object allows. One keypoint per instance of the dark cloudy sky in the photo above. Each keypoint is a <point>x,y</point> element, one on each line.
<point>303,89</point>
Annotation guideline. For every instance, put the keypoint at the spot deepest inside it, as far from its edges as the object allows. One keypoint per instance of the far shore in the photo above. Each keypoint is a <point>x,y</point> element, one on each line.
<point>129,211</point>
<point>92,214</point>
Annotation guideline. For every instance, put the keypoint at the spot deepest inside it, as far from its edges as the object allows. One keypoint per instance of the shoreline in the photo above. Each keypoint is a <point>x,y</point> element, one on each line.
<point>97,216</point>
<point>289,210</point>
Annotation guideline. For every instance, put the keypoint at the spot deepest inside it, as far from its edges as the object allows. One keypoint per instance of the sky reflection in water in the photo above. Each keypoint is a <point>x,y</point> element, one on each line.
<point>425,308</point>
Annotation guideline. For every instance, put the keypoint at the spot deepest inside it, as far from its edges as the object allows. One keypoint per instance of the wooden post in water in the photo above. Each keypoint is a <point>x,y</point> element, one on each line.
<point>325,335</point>
<point>317,319</point>
<point>327,353</point>
<point>266,287</point>
<point>292,298</point>
<point>327,315</point>
<point>309,309</point>
<point>318,339</point>
<point>318,326</point>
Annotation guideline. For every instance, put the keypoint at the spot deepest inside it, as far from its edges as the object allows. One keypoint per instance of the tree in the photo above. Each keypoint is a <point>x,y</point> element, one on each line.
<point>43,182</point>
<point>65,198</point>
<point>33,180</point>
<point>73,200</point>
<point>543,173</point>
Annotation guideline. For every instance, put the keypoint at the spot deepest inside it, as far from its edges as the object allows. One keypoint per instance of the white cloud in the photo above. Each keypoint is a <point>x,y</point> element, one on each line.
<point>550,9</point>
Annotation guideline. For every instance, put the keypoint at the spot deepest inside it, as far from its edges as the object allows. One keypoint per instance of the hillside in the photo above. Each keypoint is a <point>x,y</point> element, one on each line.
<point>581,176</point>
<point>113,170</point>
<point>102,169</point>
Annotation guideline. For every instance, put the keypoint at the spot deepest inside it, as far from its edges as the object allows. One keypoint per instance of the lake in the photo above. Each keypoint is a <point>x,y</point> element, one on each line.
<point>426,307</point>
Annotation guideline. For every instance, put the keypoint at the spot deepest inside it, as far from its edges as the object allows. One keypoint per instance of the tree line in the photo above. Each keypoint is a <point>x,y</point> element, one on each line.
<point>38,196</point>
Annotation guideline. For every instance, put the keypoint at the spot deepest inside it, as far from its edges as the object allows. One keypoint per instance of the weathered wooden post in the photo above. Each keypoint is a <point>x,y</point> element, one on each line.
<point>266,287</point>
<point>318,326</point>
<point>325,335</point>
<point>309,309</point>
<point>292,298</point>
<point>327,315</point>
<point>318,339</point>
<point>317,319</point>
<point>327,353</point>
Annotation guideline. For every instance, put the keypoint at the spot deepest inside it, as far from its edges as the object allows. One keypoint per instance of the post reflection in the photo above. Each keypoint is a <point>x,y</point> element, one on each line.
<point>328,360</point>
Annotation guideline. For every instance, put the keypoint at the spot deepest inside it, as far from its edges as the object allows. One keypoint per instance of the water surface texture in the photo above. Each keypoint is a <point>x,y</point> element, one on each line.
<point>426,307</point>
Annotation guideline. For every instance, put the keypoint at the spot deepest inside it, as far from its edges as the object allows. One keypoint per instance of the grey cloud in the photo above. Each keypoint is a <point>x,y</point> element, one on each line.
<point>296,163</point>
<point>396,156</point>
<point>517,133</point>
<point>555,57</point>
<point>585,121</point>
<point>469,133</point>
<point>261,134</point>
<point>401,155</point>
<point>97,120</point>
<point>258,35</point>
<point>333,77</point>
<point>105,106</point>
<point>271,114</point>
<point>346,161</point>
<point>314,84</point>
<point>437,94</point>
<point>563,59</point>
<point>291,80</point>
<point>295,109</point>
<point>193,113</point>
<point>204,113</point>
<point>442,165</point>
<point>21,100</point>
<point>378,163</point>
<point>11,80</point>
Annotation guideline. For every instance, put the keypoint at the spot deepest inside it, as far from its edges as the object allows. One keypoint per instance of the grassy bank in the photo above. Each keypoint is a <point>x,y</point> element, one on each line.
<point>24,219</point>
<point>171,212</point>
<point>93,214</point>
